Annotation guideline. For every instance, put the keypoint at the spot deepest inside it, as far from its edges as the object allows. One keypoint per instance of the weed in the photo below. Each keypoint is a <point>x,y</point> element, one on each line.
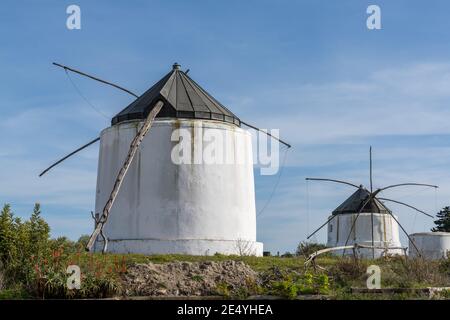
<point>223,289</point>
<point>197,277</point>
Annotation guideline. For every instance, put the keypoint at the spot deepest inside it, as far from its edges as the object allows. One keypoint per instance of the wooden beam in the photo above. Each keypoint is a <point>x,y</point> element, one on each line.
<point>121,175</point>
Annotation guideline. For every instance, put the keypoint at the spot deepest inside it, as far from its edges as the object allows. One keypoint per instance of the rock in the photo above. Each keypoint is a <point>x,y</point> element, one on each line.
<point>185,278</point>
<point>161,292</point>
<point>186,265</point>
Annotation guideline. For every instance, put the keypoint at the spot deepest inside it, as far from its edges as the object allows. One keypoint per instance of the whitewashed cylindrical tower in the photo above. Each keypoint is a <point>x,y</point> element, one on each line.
<point>431,245</point>
<point>385,228</point>
<point>190,187</point>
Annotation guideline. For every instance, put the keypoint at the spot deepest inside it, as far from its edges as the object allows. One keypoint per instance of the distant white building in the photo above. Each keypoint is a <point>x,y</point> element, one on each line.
<point>430,245</point>
<point>385,229</point>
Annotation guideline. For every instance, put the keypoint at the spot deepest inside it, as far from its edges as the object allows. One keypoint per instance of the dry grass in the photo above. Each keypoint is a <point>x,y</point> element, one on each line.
<point>102,271</point>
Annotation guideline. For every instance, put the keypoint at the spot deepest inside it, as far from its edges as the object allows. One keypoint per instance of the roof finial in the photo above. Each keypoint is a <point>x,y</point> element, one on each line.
<point>176,66</point>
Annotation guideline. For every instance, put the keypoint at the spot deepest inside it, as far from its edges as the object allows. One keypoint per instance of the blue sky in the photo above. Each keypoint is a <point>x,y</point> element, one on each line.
<point>310,68</point>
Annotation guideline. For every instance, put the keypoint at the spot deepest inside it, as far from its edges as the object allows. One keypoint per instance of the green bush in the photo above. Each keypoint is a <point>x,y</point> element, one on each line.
<point>13,294</point>
<point>444,265</point>
<point>20,243</point>
<point>295,284</point>
<point>286,288</point>
<point>445,294</point>
<point>35,264</point>
<point>306,248</point>
<point>223,289</point>
<point>347,272</point>
<point>323,284</point>
<point>287,255</point>
<point>197,277</point>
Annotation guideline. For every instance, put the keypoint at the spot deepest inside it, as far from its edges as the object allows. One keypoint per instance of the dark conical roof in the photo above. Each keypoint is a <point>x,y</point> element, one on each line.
<point>355,202</point>
<point>183,98</point>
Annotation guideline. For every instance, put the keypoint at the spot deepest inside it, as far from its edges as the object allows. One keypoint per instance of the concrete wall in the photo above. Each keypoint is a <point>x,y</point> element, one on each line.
<point>431,245</point>
<point>386,233</point>
<point>164,207</point>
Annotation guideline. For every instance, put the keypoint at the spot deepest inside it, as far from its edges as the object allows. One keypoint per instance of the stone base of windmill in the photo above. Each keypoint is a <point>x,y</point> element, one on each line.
<point>385,235</point>
<point>189,247</point>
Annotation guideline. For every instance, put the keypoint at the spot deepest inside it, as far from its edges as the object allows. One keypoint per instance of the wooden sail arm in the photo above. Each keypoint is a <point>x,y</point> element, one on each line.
<point>66,68</point>
<point>369,198</point>
<point>68,156</point>
<point>333,216</point>
<point>123,171</point>
<point>323,225</point>
<point>322,251</point>
<point>407,205</point>
<point>406,233</point>
<point>404,185</point>
<point>334,180</point>
<point>267,133</point>
<point>96,79</point>
<point>314,255</point>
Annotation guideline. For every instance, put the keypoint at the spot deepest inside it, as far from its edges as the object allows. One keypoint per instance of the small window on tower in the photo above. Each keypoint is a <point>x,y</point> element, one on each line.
<point>330,228</point>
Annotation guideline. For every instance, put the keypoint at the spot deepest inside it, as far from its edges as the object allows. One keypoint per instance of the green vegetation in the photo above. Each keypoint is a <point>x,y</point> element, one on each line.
<point>34,266</point>
<point>21,244</point>
<point>197,277</point>
<point>305,248</point>
<point>443,221</point>
<point>293,286</point>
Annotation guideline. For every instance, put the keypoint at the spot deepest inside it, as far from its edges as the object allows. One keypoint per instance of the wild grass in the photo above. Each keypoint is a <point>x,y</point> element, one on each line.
<point>32,265</point>
<point>281,276</point>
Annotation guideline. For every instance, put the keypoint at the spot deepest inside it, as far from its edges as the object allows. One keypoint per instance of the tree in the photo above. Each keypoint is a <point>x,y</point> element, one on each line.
<point>39,231</point>
<point>21,243</point>
<point>443,221</point>
<point>8,247</point>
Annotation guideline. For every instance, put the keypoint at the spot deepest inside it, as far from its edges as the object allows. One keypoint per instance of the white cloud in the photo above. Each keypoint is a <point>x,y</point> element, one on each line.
<point>403,101</point>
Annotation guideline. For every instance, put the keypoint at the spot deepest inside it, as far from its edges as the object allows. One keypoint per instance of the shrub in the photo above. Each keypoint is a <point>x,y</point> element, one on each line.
<point>33,263</point>
<point>250,288</point>
<point>444,265</point>
<point>14,293</point>
<point>323,284</point>
<point>417,272</point>
<point>286,288</point>
<point>197,277</point>
<point>20,243</point>
<point>223,289</point>
<point>287,255</point>
<point>295,284</point>
<point>83,241</point>
<point>347,271</point>
<point>305,248</point>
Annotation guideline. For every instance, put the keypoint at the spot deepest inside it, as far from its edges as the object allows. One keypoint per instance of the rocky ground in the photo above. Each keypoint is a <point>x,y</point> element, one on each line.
<point>187,278</point>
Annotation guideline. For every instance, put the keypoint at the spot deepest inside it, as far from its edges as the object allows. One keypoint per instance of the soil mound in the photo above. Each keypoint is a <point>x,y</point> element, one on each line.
<point>187,278</point>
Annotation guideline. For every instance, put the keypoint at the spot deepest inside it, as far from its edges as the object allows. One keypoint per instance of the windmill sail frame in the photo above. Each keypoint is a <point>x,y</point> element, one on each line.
<point>372,198</point>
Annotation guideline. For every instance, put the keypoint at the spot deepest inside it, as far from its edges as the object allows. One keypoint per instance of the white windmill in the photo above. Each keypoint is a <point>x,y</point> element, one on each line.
<point>364,223</point>
<point>146,202</point>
